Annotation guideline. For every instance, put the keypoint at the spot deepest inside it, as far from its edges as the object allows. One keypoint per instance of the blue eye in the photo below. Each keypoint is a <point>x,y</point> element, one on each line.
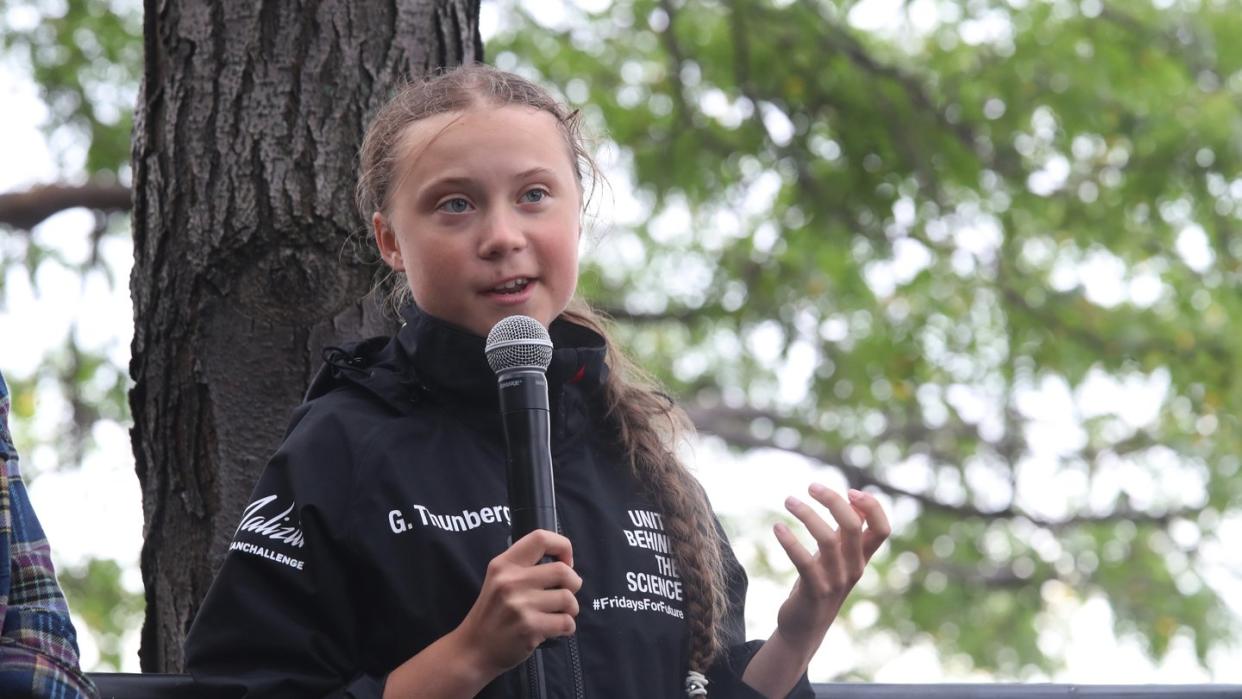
<point>535,196</point>
<point>456,205</point>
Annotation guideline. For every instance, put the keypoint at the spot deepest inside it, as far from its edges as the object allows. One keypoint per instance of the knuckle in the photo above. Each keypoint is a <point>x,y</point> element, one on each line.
<point>821,590</point>
<point>567,577</point>
<point>830,545</point>
<point>553,540</point>
<point>527,624</point>
<point>506,585</point>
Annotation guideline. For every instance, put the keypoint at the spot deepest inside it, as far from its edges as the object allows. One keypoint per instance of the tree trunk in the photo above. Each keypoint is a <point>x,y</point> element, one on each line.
<point>246,248</point>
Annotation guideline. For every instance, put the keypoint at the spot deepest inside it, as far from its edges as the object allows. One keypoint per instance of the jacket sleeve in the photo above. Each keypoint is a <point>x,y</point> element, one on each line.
<point>278,620</point>
<point>725,677</point>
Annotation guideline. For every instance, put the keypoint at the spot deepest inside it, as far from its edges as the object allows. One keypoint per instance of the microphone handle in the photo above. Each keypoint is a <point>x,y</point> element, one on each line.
<point>525,416</point>
<point>524,412</point>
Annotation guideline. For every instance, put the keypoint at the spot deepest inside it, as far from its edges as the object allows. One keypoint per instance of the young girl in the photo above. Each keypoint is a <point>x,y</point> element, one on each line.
<point>373,559</point>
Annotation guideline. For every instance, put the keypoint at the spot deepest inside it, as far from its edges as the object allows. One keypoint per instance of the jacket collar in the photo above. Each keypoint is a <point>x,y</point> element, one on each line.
<point>448,359</point>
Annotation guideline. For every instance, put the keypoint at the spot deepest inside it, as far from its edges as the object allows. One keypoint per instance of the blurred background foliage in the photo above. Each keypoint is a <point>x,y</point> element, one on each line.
<point>978,256</point>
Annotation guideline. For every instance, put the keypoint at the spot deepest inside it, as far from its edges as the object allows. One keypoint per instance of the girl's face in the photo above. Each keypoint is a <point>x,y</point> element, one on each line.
<point>485,220</point>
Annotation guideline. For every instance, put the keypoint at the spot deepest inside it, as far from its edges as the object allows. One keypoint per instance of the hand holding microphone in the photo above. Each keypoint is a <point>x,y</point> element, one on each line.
<point>528,593</point>
<point>522,603</point>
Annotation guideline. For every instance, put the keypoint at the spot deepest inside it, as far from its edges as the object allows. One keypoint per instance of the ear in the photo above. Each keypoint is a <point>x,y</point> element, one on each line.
<point>386,241</point>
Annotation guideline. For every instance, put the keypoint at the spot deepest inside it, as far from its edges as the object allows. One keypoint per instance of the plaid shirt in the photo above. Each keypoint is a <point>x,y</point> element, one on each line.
<point>38,644</point>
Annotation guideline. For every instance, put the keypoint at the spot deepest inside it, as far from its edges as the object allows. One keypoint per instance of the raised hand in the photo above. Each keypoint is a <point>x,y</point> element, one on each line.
<point>826,577</point>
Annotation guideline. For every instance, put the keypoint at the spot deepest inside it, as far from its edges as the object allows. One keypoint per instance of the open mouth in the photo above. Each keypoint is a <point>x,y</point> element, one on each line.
<point>513,286</point>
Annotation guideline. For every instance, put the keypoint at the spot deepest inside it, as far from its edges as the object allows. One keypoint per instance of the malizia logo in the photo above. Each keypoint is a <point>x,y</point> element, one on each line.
<point>279,527</point>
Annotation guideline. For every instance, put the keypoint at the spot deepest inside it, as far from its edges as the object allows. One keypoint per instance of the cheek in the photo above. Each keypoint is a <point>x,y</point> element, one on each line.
<point>423,270</point>
<point>423,255</point>
<point>567,244</point>
<point>427,273</point>
<point>566,256</point>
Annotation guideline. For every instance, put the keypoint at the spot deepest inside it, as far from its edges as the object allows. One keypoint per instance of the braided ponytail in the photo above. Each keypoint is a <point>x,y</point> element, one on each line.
<point>648,425</point>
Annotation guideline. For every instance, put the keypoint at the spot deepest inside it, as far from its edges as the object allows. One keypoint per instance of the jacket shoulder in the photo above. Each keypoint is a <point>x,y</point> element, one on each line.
<point>376,369</point>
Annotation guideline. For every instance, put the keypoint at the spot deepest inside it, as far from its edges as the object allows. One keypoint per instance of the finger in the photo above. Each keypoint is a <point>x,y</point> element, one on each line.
<point>553,625</point>
<point>878,528</point>
<point>822,532</point>
<point>531,548</point>
<point>554,602</point>
<point>802,559</point>
<point>537,627</point>
<point>552,576</point>
<point>849,524</point>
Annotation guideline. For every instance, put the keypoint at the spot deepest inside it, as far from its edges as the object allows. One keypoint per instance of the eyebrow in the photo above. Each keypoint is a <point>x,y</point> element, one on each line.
<point>537,171</point>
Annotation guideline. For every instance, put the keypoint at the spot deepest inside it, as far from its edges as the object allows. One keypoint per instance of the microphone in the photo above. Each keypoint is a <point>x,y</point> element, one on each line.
<point>519,350</point>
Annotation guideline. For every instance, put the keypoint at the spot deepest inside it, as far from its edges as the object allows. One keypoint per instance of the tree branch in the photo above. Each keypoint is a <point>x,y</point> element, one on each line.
<point>729,424</point>
<point>25,210</point>
<point>1002,576</point>
<point>1109,346</point>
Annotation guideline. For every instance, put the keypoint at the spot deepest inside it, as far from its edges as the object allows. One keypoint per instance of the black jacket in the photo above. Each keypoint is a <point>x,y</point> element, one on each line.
<point>369,533</point>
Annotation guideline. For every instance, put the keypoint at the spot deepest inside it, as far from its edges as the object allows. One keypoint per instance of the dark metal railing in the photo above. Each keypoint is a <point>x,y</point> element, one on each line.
<point>114,685</point>
<point>1025,691</point>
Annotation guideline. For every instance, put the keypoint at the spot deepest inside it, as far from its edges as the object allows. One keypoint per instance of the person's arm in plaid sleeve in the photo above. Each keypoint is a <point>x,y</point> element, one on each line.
<point>38,644</point>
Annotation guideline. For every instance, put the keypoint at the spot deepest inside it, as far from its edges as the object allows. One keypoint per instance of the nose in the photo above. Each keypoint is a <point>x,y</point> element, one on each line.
<point>502,235</point>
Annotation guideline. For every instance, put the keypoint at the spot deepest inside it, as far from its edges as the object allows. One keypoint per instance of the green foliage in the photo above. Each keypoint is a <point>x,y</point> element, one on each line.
<point>943,229</point>
<point>99,597</point>
<point>85,57</point>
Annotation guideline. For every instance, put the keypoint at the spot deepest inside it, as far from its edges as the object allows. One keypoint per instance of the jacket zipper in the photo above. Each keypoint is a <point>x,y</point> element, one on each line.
<point>535,683</point>
<point>576,667</point>
<point>575,662</point>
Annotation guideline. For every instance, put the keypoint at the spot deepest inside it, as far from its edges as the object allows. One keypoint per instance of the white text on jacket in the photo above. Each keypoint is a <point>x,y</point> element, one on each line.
<point>264,552</point>
<point>279,527</point>
<point>467,520</point>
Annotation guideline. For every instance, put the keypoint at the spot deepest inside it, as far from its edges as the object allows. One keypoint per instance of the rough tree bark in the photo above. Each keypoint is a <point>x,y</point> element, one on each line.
<point>245,143</point>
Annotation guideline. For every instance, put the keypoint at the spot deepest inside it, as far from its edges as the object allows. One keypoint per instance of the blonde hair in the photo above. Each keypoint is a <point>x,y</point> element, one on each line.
<point>645,422</point>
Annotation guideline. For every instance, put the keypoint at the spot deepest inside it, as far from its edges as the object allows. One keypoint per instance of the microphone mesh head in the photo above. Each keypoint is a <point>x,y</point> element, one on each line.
<point>518,342</point>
